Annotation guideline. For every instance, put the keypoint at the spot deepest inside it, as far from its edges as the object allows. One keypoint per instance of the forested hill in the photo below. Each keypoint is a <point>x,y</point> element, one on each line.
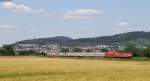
<point>138,38</point>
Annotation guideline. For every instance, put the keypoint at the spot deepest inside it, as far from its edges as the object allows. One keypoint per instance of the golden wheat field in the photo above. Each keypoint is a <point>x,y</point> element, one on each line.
<point>59,69</point>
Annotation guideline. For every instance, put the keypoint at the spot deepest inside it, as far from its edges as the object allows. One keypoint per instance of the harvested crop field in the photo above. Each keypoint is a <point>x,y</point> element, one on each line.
<point>60,69</point>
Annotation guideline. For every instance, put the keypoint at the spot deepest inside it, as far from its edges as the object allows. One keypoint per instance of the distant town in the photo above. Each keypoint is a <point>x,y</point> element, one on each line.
<point>132,43</point>
<point>55,49</point>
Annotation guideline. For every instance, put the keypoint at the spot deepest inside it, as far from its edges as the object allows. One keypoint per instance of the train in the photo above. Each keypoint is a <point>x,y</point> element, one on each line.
<point>118,55</point>
<point>100,54</point>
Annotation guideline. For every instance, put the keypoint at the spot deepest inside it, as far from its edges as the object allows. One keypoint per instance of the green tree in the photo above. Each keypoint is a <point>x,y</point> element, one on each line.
<point>120,50</point>
<point>140,52</point>
<point>7,50</point>
<point>64,50</point>
<point>41,54</point>
<point>147,52</point>
<point>26,53</point>
<point>2,52</point>
<point>77,49</point>
<point>131,48</point>
<point>104,50</point>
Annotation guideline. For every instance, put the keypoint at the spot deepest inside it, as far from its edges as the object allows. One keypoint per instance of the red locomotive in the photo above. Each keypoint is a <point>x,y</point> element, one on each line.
<point>118,55</point>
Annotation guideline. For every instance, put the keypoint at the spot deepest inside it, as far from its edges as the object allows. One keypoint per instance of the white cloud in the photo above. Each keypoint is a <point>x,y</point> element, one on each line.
<point>122,24</point>
<point>82,14</point>
<point>6,26</point>
<point>71,15</point>
<point>16,7</point>
<point>20,8</point>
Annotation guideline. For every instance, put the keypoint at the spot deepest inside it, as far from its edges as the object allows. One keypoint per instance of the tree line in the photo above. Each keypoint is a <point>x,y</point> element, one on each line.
<point>7,50</point>
<point>136,51</point>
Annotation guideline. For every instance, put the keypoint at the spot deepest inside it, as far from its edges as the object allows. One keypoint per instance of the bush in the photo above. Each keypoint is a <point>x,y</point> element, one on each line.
<point>77,50</point>
<point>64,50</point>
<point>26,53</point>
<point>147,52</point>
<point>104,50</point>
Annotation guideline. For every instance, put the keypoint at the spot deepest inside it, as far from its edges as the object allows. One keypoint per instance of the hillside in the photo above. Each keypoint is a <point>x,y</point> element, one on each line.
<point>139,38</point>
<point>44,41</point>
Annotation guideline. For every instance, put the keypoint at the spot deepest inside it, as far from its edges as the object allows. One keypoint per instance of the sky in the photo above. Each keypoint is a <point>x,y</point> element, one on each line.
<point>29,19</point>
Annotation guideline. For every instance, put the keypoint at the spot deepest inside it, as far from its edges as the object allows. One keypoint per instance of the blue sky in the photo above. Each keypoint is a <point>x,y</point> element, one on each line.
<point>28,19</point>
